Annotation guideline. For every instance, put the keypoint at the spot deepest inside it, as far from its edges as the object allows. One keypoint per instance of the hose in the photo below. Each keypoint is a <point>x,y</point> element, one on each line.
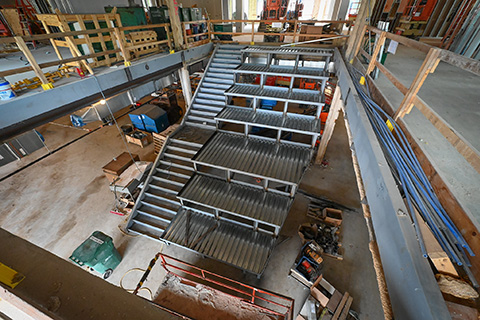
<point>413,182</point>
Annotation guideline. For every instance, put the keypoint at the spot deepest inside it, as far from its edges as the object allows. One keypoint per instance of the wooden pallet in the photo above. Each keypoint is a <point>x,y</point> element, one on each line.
<point>136,39</point>
<point>87,42</point>
<point>159,139</point>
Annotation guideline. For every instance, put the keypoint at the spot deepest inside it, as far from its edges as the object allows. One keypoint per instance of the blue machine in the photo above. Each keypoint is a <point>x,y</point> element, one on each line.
<point>150,118</point>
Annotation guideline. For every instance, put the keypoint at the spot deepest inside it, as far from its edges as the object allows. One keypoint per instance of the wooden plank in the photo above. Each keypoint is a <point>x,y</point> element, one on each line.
<point>437,255</point>
<point>378,47</point>
<point>336,106</point>
<point>428,66</point>
<point>36,68</point>
<point>455,138</point>
<point>423,47</point>
<point>125,52</point>
<point>52,41</point>
<point>11,15</point>
<point>319,296</point>
<point>175,23</point>
<point>113,38</point>
<point>102,40</point>
<point>346,309</point>
<point>340,306</point>
<point>400,86</point>
<point>87,37</point>
<point>53,63</point>
<point>461,312</point>
<point>461,62</point>
<point>334,301</point>
<point>358,46</point>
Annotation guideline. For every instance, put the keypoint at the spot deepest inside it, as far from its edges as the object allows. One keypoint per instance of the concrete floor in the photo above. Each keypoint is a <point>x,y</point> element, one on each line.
<point>454,95</point>
<point>58,202</point>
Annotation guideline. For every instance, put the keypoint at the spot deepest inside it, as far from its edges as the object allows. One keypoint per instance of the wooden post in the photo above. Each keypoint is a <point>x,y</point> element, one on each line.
<point>175,23</point>
<point>429,65</point>
<point>378,47</point>
<point>81,23</point>
<point>360,22</point>
<point>358,45</point>
<point>252,42</point>
<point>36,68</point>
<point>184,29</point>
<point>102,39</point>
<point>52,41</point>
<point>69,39</point>
<point>167,32</point>
<point>335,107</point>
<point>295,28</point>
<point>125,52</point>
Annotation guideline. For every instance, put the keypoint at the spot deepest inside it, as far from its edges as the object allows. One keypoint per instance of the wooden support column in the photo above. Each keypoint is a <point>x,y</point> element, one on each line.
<point>378,48</point>
<point>36,68</point>
<point>52,41</point>
<point>176,24</point>
<point>336,106</point>
<point>186,85</point>
<point>121,43</point>
<point>358,30</point>
<point>429,65</point>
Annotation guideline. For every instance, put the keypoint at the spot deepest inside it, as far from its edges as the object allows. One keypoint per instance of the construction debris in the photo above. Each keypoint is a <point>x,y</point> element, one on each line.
<point>198,301</point>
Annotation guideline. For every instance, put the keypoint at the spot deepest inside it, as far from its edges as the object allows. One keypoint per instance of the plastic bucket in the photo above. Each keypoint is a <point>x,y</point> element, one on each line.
<point>6,92</point>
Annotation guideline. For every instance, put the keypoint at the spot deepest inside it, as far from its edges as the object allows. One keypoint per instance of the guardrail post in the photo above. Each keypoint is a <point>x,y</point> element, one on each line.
<point>252,42</point>
<point>378,47</point>
<point>125,52</point>
<point>429,65</point>
<point>36,68</point>
<point>295,31</point>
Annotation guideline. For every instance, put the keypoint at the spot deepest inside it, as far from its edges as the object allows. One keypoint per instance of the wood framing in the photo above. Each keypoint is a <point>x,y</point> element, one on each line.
<point>335,108</point>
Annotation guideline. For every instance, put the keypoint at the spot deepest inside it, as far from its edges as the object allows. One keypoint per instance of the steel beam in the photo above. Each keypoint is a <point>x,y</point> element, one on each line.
<point>413,290</point>
<point>36,108</point>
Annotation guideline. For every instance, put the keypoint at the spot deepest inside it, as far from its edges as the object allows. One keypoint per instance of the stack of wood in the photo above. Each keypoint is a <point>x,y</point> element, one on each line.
<point>159,139</point>
<point>333,305</point>
<point>142,42</point>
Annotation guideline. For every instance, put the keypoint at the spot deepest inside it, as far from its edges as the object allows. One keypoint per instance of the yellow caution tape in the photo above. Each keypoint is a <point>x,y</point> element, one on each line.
<point>351,61</point>
<point>252,43</point>
<point>127,63</point>
<point>10,277</point>
<point>172,51</point>
<point>47,86</point>
<point>362,81</point>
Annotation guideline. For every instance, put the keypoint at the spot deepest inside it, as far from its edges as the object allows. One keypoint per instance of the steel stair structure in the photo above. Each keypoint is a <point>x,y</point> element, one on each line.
<point>209,98</point>
<point>228,194</point>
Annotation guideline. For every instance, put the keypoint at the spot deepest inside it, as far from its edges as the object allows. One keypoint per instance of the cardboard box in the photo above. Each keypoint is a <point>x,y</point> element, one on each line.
<point>114,168</point>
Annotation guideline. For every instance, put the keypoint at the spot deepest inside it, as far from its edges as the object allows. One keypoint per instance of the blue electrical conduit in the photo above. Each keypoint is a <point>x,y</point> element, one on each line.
<point>413,182</point>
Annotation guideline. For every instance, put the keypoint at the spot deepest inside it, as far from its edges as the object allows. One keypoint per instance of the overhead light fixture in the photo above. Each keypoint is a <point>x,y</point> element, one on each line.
<point>103,101</point>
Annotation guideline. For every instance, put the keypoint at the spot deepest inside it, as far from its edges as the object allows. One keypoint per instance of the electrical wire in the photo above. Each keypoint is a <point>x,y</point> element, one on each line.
<point>116,123</point>
<point>413,182</point>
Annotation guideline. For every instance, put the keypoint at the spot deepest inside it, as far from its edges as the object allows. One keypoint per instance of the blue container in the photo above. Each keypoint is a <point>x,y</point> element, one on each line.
<point>137,120</point>
<point>150,118</point>
<point>267,104</point>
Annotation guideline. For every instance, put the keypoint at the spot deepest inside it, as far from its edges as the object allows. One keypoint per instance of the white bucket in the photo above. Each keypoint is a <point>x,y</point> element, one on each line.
<point>6,92</point>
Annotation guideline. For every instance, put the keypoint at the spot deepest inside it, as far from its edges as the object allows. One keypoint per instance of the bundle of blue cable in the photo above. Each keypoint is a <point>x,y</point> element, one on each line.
<point>413,183</point>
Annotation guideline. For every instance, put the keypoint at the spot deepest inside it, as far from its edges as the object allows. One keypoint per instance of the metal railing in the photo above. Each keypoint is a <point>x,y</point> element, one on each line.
<point>266,301</point>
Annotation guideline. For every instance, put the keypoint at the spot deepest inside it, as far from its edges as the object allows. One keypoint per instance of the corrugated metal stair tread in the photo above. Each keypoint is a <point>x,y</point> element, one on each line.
<point>275,93</point>
<point>270,118</point>
<point>258,157</point>
<point>230,243</point>
<point>251,68</point>
<point>250,202</point>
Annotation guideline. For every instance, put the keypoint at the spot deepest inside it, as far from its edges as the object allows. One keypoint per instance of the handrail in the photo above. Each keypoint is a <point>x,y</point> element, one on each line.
<point>116,32</point>
<point>295,34</point>
<point>246,290</point>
